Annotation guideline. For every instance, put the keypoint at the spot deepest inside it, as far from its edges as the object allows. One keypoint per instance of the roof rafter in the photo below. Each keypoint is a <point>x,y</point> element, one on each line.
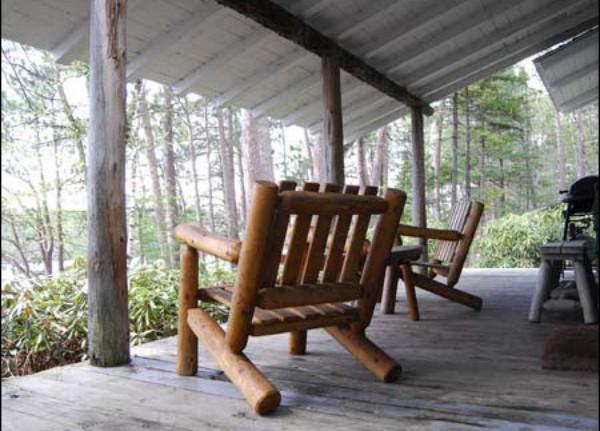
<point>433,11</point>
<point>580,100</point>
<point>303,85</point>
<point>293,28</point>
<point>349,87</point>
<point>527,46</point>
<point>287,62</point>
<point>574,76</point>
<point>239,48</point>
<point>570,29</point>
<point>71,40</point>
<point>414,52</point>
<point>220,61</point>
<point>202,15</point>
<point>355,109</point>
<point>346,29</point>
<point>542,15</point>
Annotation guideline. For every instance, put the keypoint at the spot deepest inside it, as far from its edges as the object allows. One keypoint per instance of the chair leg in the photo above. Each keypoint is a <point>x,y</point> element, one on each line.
<point>187,342</point>
<point>411,296</point>
<point>450,293</point>
<point>254,386</point>
<point>390,286</point>
<point>298,343</point>
<point>366,352</point>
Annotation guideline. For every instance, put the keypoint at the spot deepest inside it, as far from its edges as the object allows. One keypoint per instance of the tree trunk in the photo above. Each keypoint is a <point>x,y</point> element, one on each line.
<point>171,180</point>
<point>193,159</point>
<point>419,213</point>
<point>561,161</point>
<point>581,171</point>
<point>310,174</point>
<point>153,165</point>
<point>46,234</point>
<point>78,129</point>
<point>60,235</point>
<point>362,162</point>
<point>333,135</point>
<point>108,322</point>
<point>284,144</point>
<point>454,169</point>
<point>437,163</point>
<point>251,150</point>
<point>211,204</point>
<point>381,149</point>
<point>467,143</point>
<point>266,171</point>
<point>226,154</point>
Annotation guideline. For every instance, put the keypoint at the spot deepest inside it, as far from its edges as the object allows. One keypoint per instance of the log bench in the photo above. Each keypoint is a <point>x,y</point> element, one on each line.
<point>553,257</point>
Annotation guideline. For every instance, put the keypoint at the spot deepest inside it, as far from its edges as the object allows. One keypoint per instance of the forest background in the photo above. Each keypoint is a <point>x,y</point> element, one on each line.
<point>499,141</point>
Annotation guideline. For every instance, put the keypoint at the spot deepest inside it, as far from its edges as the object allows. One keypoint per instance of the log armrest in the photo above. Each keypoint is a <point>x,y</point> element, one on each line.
<point>208,242</point>
<point>421,232</point>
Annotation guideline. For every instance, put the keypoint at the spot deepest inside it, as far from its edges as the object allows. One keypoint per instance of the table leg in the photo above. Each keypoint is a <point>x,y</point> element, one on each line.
<point>546,275</point>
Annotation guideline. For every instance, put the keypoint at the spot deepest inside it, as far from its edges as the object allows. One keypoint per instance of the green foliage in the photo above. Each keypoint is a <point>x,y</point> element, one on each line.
<point>44,320</point>
<point>514,241</point>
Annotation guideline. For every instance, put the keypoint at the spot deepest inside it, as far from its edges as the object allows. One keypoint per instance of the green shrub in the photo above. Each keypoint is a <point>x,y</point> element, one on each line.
<point>514,241</point>
<point>44,320</point>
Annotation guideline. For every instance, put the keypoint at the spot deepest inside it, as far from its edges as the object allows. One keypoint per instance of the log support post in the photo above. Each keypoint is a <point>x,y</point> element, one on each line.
<point>108,324</point>
<point>333,134</point>
<point>419,213</point>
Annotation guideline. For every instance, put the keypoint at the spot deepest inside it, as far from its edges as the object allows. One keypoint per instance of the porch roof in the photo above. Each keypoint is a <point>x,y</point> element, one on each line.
<point>570,72</point>
<point>430,47</point>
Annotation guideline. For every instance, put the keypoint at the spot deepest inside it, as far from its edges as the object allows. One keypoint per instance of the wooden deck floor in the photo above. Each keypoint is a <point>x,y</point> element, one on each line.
<point>463,370</point>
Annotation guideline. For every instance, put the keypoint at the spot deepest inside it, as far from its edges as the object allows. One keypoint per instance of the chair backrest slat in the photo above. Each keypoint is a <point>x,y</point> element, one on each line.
<point>351,266</point>
<point>468,230</point>
<point>318,243</point>
<point>445,250</point>
<point>335,256</point>
<point>298,244</point>
<point>276,241</point>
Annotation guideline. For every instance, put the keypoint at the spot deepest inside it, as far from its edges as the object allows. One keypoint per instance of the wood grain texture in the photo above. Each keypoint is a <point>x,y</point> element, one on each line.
<point>207,242</point>
<point>108,320</point>
<point>187,342</point>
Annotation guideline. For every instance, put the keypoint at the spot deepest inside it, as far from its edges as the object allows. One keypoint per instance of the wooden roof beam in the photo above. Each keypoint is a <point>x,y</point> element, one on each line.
<point>287,25</point>
<point>372,11</point>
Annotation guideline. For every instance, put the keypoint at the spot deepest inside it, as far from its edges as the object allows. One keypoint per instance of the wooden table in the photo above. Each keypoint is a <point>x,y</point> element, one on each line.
<point>400,254</point>
<point>553,257</point>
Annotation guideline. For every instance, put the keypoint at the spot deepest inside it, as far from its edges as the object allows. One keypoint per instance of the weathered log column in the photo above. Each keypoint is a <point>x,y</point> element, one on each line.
<point>108,323</point>
<point>419,213</point>
<point>333,134</point>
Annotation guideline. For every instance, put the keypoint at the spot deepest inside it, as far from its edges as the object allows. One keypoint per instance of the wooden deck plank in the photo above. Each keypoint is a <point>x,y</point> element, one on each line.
<point>462,370</point>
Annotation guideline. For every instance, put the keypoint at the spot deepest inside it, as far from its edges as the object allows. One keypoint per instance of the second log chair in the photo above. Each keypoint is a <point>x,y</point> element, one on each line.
<point>318,285</point>
<point>449,255</point>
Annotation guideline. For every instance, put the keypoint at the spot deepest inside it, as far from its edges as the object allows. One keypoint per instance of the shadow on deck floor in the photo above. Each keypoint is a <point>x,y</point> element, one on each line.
<point>463,370</point>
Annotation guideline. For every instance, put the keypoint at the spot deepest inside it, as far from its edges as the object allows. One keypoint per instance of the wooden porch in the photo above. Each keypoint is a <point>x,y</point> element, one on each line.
<point>463,370</point>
